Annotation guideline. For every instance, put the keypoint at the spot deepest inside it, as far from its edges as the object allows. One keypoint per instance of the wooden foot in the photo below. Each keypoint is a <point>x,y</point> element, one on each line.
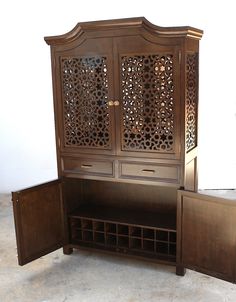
<point>67,250</point>
<point>180,270</point>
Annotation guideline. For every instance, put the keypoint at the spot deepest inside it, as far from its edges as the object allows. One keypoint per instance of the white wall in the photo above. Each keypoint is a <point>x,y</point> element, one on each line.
<point>27,144</point>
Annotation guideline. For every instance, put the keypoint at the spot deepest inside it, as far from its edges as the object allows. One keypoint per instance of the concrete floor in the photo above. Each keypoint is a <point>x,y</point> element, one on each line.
<point>92,277</point>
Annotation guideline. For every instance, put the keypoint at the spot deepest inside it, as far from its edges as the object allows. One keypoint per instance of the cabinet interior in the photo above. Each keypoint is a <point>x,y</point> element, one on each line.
<point>113,216</point>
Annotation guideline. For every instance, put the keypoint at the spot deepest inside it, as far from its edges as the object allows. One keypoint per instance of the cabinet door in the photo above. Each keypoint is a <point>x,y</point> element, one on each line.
<point>39,220</point>
<point>148,74</point>
<point>84,90</point>
<point>206,228</point>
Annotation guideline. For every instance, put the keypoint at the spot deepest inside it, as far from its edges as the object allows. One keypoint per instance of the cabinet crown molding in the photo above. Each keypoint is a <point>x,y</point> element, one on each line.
<point>81,28</point>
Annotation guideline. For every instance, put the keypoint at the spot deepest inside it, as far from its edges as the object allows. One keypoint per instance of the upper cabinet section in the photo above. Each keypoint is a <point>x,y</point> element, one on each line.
<point>126,89</point>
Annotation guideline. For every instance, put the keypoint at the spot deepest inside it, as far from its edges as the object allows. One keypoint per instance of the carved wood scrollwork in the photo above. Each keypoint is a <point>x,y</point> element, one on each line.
<point>147,86</point>
<point>85,100</point>
<point>191,100</point>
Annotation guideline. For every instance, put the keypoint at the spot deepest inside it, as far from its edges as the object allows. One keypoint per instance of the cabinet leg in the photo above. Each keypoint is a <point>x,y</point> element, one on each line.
<point>180,270</point>
<point>67,250</point>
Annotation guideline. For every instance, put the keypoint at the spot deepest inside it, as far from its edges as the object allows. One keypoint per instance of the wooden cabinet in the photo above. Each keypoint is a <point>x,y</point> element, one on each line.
<point>126,102</point>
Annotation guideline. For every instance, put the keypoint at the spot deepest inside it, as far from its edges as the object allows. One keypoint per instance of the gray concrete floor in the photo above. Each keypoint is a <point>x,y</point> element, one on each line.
<point>92,277</point>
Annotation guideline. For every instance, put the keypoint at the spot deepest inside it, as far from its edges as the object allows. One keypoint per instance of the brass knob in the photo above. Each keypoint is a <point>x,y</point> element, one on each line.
<point>116,103</point>
<point>111,103</point>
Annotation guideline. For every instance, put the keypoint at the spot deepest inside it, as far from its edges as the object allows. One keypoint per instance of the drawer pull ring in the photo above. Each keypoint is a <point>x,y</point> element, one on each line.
<point>86,166</point>
<point>148,171</point>
<point>116,103</point>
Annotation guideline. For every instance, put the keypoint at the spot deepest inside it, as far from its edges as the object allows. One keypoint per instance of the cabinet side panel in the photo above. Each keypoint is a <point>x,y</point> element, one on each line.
<point>191,175</point>
<point>191,100</point>
<point>191,114</point>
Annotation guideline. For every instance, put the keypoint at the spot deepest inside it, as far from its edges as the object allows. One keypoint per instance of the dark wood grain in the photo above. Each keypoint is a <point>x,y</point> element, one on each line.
<point>207,235</point>
<point>140,218</point>
<point>39,220</point>
<point>131,196</point>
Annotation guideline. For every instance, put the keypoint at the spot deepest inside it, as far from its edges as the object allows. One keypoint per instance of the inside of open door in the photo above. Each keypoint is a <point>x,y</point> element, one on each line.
<point>39,220</point>
<point>207,234</point>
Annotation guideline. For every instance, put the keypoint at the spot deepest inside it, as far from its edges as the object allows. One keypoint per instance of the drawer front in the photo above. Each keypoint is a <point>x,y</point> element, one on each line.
<point>88,166</point>
<point>160,172</point>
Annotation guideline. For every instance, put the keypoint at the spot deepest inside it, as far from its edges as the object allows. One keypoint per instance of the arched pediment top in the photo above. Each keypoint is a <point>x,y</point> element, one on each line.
<point>80,28</point>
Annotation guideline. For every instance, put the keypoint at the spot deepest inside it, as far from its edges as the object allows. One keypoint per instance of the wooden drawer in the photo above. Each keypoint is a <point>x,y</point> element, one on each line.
<point>159,172</point>
<point>88,166</point>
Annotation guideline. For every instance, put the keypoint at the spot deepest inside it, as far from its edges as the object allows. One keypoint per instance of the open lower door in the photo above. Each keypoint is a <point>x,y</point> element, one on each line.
<point>206,228</point>
<point>39,220</point>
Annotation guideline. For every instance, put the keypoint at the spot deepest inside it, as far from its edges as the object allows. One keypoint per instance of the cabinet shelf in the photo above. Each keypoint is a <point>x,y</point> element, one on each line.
<point>137,218</point>
<point>124,231</point>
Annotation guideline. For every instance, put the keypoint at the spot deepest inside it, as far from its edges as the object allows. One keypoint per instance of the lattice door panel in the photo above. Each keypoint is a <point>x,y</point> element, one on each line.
<point>191,100</point>
<point>147,89</point>
<point>87,122</point>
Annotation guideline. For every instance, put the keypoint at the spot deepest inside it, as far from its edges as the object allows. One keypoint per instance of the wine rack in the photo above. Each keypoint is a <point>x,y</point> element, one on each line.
<point>108,231</point>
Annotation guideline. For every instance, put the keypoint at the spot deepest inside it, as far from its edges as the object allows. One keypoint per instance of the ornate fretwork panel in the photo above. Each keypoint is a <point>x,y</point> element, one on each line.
<point>148,102</point>
<point>85,95</point>
<point>191,100</point>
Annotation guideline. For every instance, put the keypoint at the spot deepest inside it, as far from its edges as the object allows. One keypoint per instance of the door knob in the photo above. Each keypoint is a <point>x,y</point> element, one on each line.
<point>113,103</point>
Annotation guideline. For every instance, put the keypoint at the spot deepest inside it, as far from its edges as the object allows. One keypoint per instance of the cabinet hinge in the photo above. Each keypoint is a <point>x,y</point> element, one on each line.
<point>15,197</point>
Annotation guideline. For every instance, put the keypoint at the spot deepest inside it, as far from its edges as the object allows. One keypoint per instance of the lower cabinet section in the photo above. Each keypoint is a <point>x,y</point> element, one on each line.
<point>133,219</point>
<point>106,228</point>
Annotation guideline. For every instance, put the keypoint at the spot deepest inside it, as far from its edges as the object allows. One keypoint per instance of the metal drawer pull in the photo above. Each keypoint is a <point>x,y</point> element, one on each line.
<point>111,103</point>
<point>116,103</point>
<point>148,171</point>
<point>86,166</point>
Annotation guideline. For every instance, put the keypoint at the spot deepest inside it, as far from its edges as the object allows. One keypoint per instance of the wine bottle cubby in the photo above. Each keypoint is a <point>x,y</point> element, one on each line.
<point>120,235</point>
